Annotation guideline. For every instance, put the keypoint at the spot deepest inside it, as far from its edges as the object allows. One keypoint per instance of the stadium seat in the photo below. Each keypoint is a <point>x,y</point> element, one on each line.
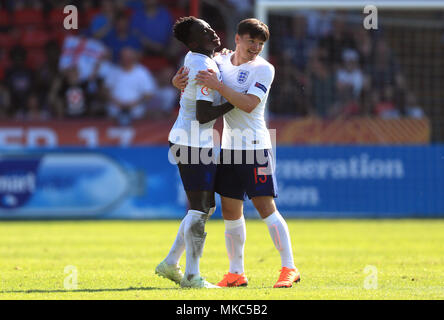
<point>4,18</point>
<point>155,64</point>
<point>34,38</point>
<point>177,13</point>
<point>7,40</point>
<point>26,17</point>
<point>4,62</point>
<point>87,16</point>
<point>35,58</point>
<point>56,17</point>
<point>170,3</point>
<point>59,35</point>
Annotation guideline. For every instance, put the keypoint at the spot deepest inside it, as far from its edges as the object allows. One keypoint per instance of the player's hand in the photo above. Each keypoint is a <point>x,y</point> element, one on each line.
<point>180,79</point>
<point>208,79</point>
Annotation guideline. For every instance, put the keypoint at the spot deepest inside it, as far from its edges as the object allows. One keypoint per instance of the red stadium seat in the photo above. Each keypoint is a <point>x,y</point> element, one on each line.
<point>4,18</point>
<point>155,64</point>
<point>35,58</point>
<point>87,16</point>
<point>177,13</point>
<point>4,61</point>
<point>56,17</point>
<point>170,3</point>
<point>7,40</point>
<point>26,17</point>
<point>34,38</point>
<point>59,35</point>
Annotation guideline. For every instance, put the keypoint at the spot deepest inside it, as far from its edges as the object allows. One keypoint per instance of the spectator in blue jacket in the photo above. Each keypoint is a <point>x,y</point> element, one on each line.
<point>121,36</point>
<point>153,26</point>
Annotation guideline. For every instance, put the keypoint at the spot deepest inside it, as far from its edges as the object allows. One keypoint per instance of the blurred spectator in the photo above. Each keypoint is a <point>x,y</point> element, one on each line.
<point>102,23</point>
<point>321,84</point>
<point>33,110</point>
<point>121,36</point>
<point>296,44</point>
<point>242,9</point>
<point>165,98</point>
<point>349,75</point>
<point>384,104</point>
<point>323,66</point>
<point>336,42</point>
<point>130,87</point>
<point>4,101</point>
<point>366,102</point>
<point>364,45</point>
<point>289,96</point>
<point>153,27</point>
<point>412,108</point>
<point>73,96</point>
<point>4,18</point>
<point>135,5</point>
<point>319,23</point>
<point>83,53</point>
<point>347,105</point>
<point>16,5</point>
<point>69,95</point>
<point>383,69</point>
<point>19,80</point>
<point>48,72</point>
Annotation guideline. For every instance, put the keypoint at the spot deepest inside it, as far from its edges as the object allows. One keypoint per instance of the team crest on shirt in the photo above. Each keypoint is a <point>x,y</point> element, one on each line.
<point>204,91</point>
<point>242,76</point>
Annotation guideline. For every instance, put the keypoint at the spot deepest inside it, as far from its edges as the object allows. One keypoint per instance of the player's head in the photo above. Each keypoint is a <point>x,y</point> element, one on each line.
<point>196,34</point>
<point>250,37</point>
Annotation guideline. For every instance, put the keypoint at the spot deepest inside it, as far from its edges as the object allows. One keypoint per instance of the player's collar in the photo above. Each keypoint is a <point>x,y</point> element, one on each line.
<point>200,54</point>
<point>248,62</point>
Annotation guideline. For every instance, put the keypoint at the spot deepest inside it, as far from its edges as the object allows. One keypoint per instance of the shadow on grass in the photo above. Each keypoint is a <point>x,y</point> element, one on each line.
<point>89,290</point>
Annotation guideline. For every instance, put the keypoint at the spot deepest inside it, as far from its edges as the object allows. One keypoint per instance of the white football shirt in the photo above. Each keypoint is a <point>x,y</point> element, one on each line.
<point>187,130</point>
<point>242,130</point>
<point>130,85</point>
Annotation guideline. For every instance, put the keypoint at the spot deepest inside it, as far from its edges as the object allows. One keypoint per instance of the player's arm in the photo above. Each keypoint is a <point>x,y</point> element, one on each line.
<point>206,112</point>
<point>245,102</point>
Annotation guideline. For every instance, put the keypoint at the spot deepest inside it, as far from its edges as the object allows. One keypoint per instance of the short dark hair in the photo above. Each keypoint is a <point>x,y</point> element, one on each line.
<point>181,28</point>
<point>253,27</point>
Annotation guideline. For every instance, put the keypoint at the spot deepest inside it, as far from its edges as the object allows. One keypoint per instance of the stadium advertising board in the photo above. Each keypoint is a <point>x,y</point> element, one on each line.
<point>140,183</point>
<point>310,130</point>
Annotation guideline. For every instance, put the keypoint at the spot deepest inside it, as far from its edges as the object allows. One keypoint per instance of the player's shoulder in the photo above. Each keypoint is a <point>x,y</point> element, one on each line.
<point>199,61</point>
<point>263,65</point>
<point>222,58</point>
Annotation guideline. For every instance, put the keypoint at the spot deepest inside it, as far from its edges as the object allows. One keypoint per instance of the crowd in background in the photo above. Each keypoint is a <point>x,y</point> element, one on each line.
<point>329,67</point>
<point>324,67</point>
<point>130,78</point>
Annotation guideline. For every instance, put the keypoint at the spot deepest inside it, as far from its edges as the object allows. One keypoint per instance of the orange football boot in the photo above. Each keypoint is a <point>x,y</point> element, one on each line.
<point>287,277</point>
<point>233,280</point>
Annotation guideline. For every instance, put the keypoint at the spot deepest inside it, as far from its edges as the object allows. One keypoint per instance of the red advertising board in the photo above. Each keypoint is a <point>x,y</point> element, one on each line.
<point>93,133</point>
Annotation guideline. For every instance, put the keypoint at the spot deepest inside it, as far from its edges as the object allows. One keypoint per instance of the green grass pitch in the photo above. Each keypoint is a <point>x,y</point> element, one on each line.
<point>116,260</point>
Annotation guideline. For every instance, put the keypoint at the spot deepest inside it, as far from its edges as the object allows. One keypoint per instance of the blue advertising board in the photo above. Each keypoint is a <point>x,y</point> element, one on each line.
<point>389,181</point>
<point>140,183</point>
